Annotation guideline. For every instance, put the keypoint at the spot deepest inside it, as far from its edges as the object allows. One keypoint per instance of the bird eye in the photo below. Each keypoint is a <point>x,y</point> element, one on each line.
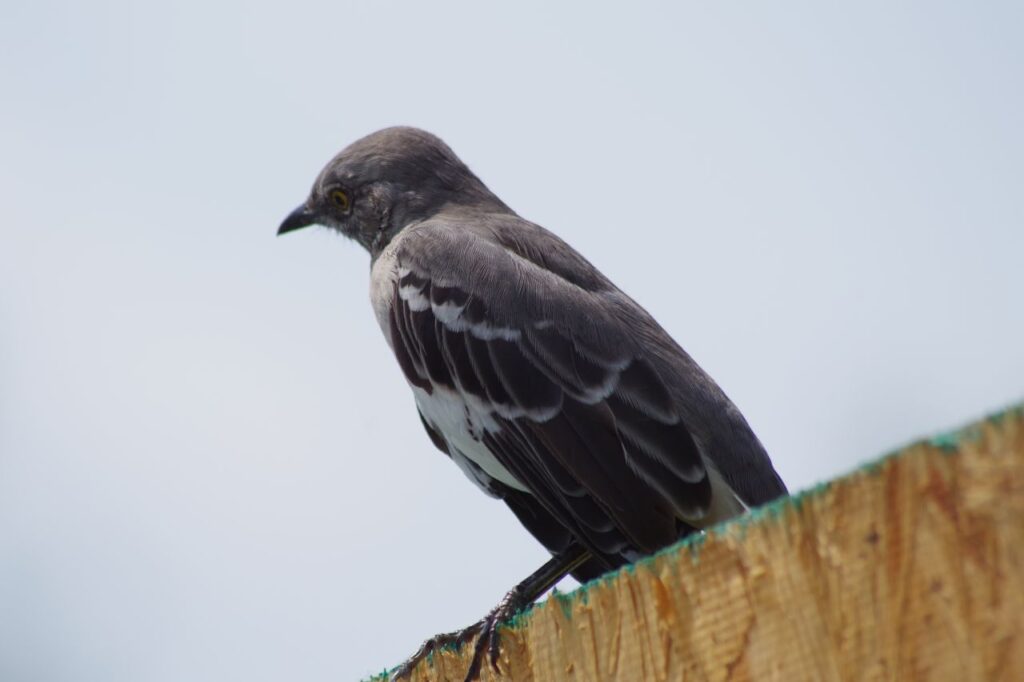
<point>340,199</point>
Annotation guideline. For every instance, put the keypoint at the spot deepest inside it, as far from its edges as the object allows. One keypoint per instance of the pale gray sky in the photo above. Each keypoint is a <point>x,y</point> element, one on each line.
<point>210,466</point>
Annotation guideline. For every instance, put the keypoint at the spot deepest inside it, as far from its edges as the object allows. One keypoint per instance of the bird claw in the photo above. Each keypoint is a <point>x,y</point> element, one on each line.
<point>446,639</point>
<point>488,642</point>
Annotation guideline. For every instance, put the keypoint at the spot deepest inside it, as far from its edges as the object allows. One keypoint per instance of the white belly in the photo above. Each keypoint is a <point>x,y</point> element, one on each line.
<point>462,423</point>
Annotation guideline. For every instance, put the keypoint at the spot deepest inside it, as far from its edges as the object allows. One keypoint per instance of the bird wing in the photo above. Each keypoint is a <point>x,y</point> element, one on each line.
<point>565,399</point>
<point>541,524</point>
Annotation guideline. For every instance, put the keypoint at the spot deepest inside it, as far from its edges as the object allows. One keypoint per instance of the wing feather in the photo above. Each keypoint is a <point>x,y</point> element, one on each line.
<point>575,412</point>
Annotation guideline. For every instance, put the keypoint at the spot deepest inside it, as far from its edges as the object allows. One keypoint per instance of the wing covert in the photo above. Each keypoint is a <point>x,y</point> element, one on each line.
<point>555,390</point>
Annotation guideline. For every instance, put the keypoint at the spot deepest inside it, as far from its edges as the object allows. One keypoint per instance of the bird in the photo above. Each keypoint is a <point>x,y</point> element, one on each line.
<point>549,387</point>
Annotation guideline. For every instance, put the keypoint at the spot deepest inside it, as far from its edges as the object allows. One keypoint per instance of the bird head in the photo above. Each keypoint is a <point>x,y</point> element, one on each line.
<point>386,181</point>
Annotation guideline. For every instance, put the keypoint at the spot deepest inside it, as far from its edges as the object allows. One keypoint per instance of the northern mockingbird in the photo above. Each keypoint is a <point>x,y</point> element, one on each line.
<point>550,388</point>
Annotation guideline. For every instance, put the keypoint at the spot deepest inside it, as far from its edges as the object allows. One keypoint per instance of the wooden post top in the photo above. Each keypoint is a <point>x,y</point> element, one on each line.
<point>911,568</point>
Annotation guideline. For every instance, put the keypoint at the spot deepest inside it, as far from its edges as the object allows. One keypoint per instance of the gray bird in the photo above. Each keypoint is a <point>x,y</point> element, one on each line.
<point>550,388</point>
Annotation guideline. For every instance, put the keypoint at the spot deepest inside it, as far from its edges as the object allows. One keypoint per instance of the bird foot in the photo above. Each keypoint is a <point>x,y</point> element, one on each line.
<point>446,639</point>
<point>487,643</point>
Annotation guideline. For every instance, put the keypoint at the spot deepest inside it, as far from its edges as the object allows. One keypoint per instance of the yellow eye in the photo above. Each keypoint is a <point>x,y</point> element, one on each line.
<point>340,199</point>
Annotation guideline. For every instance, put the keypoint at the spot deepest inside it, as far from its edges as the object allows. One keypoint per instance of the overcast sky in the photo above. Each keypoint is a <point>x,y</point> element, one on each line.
<point>210,466</point>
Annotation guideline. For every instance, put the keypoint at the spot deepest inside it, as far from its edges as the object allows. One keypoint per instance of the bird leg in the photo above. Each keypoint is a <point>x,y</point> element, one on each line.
<point>486,629</point>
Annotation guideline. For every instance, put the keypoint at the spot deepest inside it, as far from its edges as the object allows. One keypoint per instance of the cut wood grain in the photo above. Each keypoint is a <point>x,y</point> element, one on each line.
<point>909,569</point>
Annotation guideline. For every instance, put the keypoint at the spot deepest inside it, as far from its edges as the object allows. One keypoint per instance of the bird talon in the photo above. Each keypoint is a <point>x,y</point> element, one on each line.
<point>429,646</point>
<point>489,641</point>
<point>484,642</point>
<point>495,649</point>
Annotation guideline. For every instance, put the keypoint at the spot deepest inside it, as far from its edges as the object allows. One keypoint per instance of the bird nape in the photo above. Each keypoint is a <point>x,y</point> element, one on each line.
<point>550,388</point>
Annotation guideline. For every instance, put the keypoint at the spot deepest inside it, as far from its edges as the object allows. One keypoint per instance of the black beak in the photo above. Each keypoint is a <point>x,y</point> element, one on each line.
<point>297,219</point>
